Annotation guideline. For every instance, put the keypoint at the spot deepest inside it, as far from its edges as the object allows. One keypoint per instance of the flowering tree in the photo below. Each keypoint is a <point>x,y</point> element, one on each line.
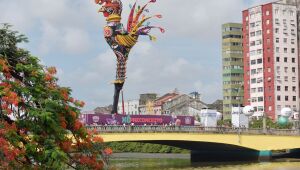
<point>39,126</point>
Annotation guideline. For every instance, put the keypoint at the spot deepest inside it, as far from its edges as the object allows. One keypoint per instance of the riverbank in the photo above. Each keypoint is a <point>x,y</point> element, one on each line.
<point>138,147</point>
<point>151,156</point>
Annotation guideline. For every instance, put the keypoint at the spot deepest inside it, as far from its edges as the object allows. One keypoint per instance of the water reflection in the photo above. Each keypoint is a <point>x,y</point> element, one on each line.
<point>184,164</point>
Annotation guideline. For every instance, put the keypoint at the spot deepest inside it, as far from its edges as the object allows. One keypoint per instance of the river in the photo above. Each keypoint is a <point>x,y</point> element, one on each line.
<point>182,162</point>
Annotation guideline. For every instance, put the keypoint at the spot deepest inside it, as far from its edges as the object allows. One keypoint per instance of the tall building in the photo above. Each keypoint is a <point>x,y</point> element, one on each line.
<point>233,73</point>
<point>271,58</point>
<point>297,4</point>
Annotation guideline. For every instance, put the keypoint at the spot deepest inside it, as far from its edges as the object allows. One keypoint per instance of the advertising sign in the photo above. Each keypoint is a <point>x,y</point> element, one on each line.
<point>108,119</point>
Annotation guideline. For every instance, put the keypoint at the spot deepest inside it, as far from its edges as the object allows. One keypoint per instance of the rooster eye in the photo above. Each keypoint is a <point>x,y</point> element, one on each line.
<point>109,10</point>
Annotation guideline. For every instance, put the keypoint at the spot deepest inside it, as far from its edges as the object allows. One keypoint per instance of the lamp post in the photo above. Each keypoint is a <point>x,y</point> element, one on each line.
<point>240,102</point>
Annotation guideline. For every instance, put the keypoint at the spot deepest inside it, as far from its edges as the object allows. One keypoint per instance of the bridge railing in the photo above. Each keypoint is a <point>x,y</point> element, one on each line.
<point>191,129</point>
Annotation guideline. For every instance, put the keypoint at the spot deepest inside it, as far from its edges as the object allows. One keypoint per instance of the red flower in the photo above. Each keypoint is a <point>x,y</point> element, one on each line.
<point>107,151</point>
<point>48,77</point>
<point>77,125</point>
<point>98,139</point>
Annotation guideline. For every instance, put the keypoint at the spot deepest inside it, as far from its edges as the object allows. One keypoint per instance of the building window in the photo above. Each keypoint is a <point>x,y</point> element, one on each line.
<point>277,59</point>
<point>278,88</point>
<point>277,30</point>
<point>253,62</point>
<point>285,40</point>
<point>294,98</point>
<point>294,88</point>
<point>259,51</point>
<point>294,79</point>
<point>278,98</point>
<point>259,80</point>
<point>277,40</point>
<point>285,69</point>
<point>270,98</point>
<point>267,12</point>
<point>286,88</point>
<point>276,11</point>
<point>260,108</point>
<point>279,107</point>
<point>293,60</point>
<point>259,61</point>
<point>277,21</point>
<point>292,41</point>
<point>268,22</point>
<point>285,50</point>
<point>293,50</point>
<point>258,33</point>
<point>285,59</point>
<point>293,69</point>
<point>286,98</point>
<point>260,89</point>
<point>260,99</point>
<point>253,81</point>
<point>252,34</point>
<point>286,78</point>
<point>277,49</point>
<point>268,31</point>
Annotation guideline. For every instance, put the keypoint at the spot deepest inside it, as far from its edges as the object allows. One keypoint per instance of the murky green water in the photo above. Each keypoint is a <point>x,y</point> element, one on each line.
<point>184,164</point>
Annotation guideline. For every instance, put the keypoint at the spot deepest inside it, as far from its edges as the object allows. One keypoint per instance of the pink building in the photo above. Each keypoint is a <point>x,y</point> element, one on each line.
<point>271,58</point>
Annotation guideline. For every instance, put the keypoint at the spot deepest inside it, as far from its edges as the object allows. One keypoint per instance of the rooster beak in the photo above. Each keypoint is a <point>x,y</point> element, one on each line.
<point>102,9</point>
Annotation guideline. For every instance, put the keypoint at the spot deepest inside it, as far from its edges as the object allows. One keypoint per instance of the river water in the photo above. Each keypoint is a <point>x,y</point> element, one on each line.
<point>185,164</point>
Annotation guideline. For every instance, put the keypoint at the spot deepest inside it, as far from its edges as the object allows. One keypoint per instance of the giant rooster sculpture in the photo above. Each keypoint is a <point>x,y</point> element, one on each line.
<point>122,40</point>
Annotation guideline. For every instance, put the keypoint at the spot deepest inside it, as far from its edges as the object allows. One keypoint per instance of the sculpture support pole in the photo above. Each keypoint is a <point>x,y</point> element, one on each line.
<point>118,88</point>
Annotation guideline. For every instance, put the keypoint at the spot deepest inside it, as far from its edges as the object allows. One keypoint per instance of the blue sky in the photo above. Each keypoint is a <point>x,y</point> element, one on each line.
<point>68,34</point>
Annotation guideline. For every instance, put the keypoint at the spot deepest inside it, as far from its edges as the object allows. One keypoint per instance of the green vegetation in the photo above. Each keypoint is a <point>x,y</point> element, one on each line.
<point>225,123</point>
<point>119,147</point>
<point>258,124</point>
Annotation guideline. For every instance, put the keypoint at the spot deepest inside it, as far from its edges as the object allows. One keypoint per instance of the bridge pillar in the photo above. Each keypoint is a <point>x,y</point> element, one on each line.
<point>230,156</point>
<point>265,155</point>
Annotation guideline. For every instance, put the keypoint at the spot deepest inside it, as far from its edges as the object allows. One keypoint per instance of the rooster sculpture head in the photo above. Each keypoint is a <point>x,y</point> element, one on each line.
<point>110,7</point>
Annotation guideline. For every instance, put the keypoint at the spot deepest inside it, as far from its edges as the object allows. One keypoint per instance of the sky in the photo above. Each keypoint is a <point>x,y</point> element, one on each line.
<point>68,34</point>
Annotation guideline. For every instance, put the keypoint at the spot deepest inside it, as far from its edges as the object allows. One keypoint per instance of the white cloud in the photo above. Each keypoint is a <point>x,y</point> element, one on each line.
<point>76,41</point>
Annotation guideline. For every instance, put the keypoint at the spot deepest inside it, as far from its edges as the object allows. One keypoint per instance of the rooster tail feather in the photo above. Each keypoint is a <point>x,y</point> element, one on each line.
<point>134,19</point>
<point>147,29</point>
<point>130,18</point>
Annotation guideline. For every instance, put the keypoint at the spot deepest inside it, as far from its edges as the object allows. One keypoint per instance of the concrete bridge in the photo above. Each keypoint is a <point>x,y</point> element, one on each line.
<point>210,144</point>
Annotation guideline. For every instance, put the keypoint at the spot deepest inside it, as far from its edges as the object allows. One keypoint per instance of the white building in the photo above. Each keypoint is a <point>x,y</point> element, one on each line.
<point>131,107</point>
